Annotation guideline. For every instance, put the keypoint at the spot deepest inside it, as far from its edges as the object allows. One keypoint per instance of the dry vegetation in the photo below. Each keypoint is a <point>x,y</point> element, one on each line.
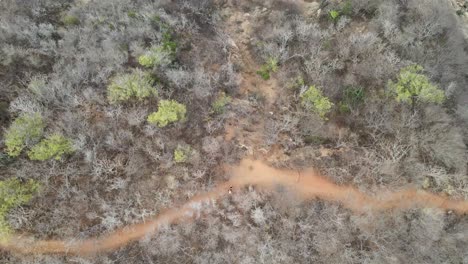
<point>116,109</point>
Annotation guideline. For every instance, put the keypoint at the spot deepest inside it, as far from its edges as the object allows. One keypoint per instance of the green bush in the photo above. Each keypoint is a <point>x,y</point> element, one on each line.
<point>266,69</point>
<point>162,54</point>
<point>13,193</point>
<point>264,73</point>
<point>70,20</point>
<point>344,108</point>
<point>168,43</point>
<point>155,56</point>
<point>5,159</point>
<point>219,105</point>
<point>53,147</point>
<point>132,14</point>
<point>315,140</point>
<point>182,154</point>
<point>413,86</point>
<point>297,82</point>
<point>347,8</point>
<point>313,100</point>
<point>26,129</point>
<point>334,15</point>
<point>169,111</point>
<point>352,97</point>
<point>137,85</point>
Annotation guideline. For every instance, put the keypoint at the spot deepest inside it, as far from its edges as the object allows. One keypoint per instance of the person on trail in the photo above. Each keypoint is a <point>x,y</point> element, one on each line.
<point>230,190</point>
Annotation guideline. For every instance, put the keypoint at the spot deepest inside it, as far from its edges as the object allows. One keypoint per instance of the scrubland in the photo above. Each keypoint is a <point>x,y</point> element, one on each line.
<point>117,112</point>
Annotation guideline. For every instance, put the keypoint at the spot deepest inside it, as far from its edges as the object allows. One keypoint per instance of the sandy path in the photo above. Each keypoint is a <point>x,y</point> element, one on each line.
<point>306,184</point>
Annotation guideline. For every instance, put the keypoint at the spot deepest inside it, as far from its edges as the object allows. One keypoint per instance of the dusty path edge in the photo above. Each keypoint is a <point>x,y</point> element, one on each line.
<point>249,172</point>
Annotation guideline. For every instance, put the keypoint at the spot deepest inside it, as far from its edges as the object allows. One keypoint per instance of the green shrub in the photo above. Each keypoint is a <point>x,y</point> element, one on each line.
<point>169,111</point>
<point>162,54</point>
<point>413,86</point>
<point>344,108</point>
<point>70,20</point>
<point>182,154</point>
<point>334,15</point>
<point>5,159</point>
<point>53,147</point>
<point>272,64</point>
<point>155,56</point>
<point>137,85</point>
<point>327,44</point>
<point>168,43</point>
<point>25,130</point>
<point>219,105</point>
<point>347,8</point>
<point>316,140</point>
<point>132,14</point>
<point>313,100</point>
<point>264,73</point>
<point>298,82</point>
<point>266,69</point>
<point>13,193</point>
<point>352,97</point>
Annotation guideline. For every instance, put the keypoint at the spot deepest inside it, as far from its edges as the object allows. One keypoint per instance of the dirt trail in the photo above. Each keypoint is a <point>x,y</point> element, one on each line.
<point>247,133</point>
<point>239,27</point>
<point>306,184</point>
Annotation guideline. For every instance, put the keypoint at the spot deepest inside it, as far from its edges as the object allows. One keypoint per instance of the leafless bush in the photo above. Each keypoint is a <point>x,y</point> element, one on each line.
<point>180,78</point>
<point>443,142</point>
<point>135,117</point>
<point>274,127</point>
<point>210,145</point>
<point>24,104</point>
<point>202,84</point>
<point>228,77</point>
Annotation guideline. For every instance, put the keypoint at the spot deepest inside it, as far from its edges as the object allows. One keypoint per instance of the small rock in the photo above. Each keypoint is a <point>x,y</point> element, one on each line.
<point>246,14</point>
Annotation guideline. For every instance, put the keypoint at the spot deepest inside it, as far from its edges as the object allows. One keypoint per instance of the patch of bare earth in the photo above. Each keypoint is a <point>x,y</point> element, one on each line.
<point>248,131</point>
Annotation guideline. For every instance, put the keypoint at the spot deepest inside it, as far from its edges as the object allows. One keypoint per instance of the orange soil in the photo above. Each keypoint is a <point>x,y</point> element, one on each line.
<point>306,184</point>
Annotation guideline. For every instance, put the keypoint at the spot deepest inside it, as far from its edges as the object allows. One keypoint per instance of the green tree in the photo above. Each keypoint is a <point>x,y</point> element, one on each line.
<point>53,147</point>
<point>169,111</point>
<point>13,193</point>
<point>25,130</point>
<point>313,100</point>
<point>136,85</point>
<point>413,86</point>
